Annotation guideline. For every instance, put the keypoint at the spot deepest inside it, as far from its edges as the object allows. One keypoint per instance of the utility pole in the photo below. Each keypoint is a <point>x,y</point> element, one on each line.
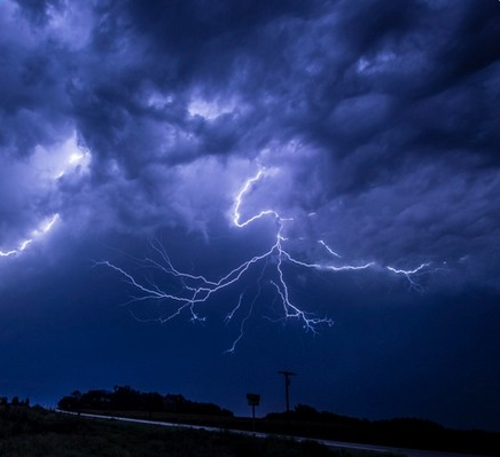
<point>287,375</point>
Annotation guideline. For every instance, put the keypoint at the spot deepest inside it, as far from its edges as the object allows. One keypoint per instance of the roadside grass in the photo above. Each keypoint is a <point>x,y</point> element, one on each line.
<point>35,432</point>
<point>395,433</point>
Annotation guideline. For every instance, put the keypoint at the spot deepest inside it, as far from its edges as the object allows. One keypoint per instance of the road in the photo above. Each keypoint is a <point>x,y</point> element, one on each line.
<point>328,443</point>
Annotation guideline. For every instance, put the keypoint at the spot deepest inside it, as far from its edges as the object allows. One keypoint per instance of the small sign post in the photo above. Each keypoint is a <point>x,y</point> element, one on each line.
<point>253,401</point>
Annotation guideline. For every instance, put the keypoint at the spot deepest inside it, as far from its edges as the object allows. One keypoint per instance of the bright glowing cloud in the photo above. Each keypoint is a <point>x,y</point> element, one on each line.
<point>210,110</point>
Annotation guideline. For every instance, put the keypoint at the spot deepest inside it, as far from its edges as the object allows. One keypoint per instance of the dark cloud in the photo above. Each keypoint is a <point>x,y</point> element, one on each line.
<point>381,104</point>
<point>39,12</point>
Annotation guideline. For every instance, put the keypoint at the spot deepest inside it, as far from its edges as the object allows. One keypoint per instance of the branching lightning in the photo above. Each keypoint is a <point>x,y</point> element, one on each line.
<point>410,275</point>
<point>192,291</point>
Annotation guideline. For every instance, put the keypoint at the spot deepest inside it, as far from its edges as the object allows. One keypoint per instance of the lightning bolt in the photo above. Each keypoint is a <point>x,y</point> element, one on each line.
<point>238,202</point>
<point>79,157</point>
<point>191,290</point>
<point>329,249</point>
<point>35,235</point>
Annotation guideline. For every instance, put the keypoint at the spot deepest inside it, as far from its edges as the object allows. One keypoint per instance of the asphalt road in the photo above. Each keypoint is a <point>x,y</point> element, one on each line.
<point>328,443</point>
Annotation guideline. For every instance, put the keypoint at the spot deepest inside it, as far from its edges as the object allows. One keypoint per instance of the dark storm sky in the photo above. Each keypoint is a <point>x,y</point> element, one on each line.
<point>377,125</point>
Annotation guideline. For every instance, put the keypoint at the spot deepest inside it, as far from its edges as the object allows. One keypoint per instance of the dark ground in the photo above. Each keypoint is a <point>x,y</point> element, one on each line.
<point>35,432</point>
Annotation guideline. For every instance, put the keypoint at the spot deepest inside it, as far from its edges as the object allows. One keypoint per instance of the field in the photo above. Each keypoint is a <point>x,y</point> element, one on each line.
<point>33,432</point>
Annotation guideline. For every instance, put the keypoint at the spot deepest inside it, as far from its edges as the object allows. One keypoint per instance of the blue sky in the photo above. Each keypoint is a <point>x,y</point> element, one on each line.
<point>196,195</point>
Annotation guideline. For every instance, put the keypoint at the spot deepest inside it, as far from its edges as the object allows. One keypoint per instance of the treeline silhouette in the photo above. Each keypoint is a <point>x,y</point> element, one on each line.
<point>4,401</point>
<point>124,398</point>
<point>398,432</point>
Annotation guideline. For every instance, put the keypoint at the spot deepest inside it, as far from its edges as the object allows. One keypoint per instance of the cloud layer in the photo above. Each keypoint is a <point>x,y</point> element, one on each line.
<point>381,119</point>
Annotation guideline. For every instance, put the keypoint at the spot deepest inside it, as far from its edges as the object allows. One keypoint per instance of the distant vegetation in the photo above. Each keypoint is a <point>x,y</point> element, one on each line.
<point>399,432</point>
<point>124,398</point>
<point>4,401</point>
<point>35,432</point>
